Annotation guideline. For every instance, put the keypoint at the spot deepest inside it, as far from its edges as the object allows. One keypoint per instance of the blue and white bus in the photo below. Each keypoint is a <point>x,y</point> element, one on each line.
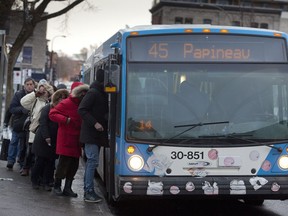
<point>196,111</point>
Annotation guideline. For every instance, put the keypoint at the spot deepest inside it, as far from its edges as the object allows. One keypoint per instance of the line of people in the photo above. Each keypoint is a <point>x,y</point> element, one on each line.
<point>63,124</point>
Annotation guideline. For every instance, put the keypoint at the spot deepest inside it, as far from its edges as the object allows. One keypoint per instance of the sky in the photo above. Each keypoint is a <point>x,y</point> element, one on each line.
<point>93,27</point>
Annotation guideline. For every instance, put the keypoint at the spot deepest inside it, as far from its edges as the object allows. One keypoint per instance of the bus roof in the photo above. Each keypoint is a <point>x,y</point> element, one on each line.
<point>180,27</point>
<point>105,48</point>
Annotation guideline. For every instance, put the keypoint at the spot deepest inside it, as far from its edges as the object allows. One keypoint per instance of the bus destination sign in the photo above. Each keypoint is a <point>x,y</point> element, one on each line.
<point>204,48</point>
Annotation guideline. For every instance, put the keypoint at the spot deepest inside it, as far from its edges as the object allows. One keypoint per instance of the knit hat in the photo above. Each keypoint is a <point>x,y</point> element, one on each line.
<point>100,75</point>
<point>75,84</point>
<point>42,82</point>
<point>61,86</point>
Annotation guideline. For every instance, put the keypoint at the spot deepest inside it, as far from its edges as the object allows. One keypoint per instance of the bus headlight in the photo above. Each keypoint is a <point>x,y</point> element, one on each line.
<point>135,162</point>
<point>283,162</point>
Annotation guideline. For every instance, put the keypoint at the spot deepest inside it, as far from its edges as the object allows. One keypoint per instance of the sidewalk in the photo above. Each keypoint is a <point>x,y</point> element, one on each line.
<point>17,198</point>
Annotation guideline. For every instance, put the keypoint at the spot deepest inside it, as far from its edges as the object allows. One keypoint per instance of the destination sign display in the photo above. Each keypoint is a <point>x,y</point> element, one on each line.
<point>206,48</point>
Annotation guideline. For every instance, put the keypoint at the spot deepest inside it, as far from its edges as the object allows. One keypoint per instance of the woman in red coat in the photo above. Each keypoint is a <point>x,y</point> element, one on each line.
<point>68,146</point>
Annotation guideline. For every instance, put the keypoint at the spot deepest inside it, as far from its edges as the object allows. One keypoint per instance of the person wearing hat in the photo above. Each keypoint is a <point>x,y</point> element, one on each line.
<point>44,145</point>
<point>34,102</point>
<point>68,146</point>
<point>61,86</point>
<point>94,111</point>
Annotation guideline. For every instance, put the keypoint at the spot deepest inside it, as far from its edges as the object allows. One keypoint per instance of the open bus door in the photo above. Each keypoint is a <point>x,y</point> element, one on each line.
<point>111,86</point>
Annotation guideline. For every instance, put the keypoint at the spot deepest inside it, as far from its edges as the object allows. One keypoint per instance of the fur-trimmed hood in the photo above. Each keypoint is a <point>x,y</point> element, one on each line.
<point>59,94</point>
<point>48,88</point>
<point>79,91</point>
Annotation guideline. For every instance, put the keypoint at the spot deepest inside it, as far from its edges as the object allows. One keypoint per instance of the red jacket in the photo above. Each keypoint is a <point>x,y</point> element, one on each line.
<point>68,143</point>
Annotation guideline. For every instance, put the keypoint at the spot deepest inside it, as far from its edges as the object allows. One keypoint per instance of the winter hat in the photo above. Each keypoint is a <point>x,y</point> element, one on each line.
<point>100,75</point>
<point>61,86</point>
<point>75,84</point>
<point>42,82</point>
<point>48,87</point>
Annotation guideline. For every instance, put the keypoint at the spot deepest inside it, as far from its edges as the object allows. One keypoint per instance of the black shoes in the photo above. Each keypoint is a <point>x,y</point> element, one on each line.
<point>10,166</point>
<point>67,191</point>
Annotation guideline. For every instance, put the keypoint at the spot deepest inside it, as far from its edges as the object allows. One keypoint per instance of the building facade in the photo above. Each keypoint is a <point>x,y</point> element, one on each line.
<point>33,57</point>
<point>268,14</point>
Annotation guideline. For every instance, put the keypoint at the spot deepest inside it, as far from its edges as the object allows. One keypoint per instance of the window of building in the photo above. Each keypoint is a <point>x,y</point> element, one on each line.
<point>178,20</point>
<point>254,24</point>
<point>188,20</point>
<point>207,21</point>
<point>236,23</point>
<point>246,3</point>
<point>27,55</point>
<point>264,25</point>
<point>223,2</point>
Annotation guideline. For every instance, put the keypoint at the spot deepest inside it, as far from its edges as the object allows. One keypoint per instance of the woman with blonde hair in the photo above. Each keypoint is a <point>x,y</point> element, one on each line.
<point>44,145</point>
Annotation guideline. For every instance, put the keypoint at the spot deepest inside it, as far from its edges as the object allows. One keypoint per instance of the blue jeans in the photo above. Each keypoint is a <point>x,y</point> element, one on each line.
<point>13,148</point>
<point>92,154</point>
<point>17,147</point>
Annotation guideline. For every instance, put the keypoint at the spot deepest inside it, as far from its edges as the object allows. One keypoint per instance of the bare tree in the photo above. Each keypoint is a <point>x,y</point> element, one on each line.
<point>34,13</point>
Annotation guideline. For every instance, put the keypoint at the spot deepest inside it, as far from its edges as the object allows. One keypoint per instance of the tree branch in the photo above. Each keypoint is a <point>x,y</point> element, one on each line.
<point>58,13</point>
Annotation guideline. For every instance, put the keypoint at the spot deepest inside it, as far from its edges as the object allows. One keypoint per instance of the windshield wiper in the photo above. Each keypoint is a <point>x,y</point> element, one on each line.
<point>235,136</point>
<point>192,126</point>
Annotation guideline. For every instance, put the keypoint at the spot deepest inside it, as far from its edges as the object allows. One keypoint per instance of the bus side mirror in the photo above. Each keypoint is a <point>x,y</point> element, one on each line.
<point>112,78</point>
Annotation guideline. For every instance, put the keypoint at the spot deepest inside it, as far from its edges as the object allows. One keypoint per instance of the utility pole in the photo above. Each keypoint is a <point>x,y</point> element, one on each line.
<point>51,58</point>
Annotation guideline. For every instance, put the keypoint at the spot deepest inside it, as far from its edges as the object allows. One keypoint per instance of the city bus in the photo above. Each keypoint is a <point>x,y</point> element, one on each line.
<point>195,111</point>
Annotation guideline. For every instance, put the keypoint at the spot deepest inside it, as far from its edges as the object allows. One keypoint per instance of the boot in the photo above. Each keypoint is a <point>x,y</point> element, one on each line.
<point>68,190</point>
<point>57,187</point>
<point>25,172</point>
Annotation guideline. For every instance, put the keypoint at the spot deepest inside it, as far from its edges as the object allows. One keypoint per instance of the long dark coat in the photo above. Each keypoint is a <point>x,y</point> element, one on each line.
<point>94,108</point>
<point>47,129</point>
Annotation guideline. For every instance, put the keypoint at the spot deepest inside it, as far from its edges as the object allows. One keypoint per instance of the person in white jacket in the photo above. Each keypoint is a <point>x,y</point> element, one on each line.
<point>34,102</point>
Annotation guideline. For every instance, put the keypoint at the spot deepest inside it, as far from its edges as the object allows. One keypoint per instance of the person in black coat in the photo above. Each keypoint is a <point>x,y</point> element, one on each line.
<point>44,145</point>
<point>93,110</point>
<point>19,114</point>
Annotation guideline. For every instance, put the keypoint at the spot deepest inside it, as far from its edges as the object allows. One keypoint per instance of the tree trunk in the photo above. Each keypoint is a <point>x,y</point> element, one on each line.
<point>12,58</point>
<point>33,13</point>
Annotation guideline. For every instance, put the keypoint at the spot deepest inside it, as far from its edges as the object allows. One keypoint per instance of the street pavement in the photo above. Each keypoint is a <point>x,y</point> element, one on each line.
<point>17,198</point>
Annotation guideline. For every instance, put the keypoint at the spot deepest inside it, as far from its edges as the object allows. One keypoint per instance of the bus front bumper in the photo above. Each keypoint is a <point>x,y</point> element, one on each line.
<point>266,187</point>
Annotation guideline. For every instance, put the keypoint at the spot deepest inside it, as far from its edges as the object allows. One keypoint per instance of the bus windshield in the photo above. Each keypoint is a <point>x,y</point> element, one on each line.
<point>249,99</point>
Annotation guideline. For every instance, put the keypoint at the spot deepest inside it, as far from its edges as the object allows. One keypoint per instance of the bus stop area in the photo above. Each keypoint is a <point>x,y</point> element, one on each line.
<point>18,198</point>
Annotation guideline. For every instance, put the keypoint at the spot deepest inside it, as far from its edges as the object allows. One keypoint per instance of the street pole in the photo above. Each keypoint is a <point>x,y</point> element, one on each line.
<point>51,57</point>
<point>3,64</point>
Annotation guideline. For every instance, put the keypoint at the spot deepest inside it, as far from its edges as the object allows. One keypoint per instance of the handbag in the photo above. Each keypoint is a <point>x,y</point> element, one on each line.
<point>5,143</point>
<point>27,123</point>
